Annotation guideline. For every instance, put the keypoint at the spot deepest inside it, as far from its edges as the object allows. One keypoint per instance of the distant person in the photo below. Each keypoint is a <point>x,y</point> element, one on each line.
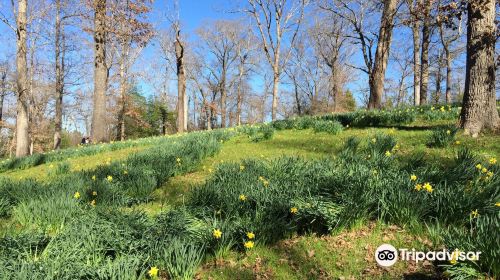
<point>84,141</point>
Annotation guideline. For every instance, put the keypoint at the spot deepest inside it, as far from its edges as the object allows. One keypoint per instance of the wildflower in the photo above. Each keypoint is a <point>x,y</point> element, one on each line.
<point>497,204</point>
<point>210,170</point>
<point>413,177</point>
<point>432,108</point>
<point>374,140</point>
<point>153,272</point>
<point>261,178</point>
<point>217,233</point>
<point>489,174</point>
<point>493,160</point>
<point>418,187</point>
<point>125,172</point>
<point>374,172</point>
<point>93,177</point>
<point>51,166</point>
<point>454,256</point>
<point>92,203</point>
<point>441,109</point>
<point>76,195</point>
<point>249,244</point>
<point>387,153</point>
<point>243,197</point>
<point>457,142</point>
<point>474,214</point>
<point>294,210</point>
<point>448,132</point>
<point>250,235</point>
<point>94,193</point>
<point>178,160</point>
<point>265,183</point>
<point>109,178</point>
<point>242,167</point>
<point>479,166</point>
<point>484,170</point>
<point>428,187</point>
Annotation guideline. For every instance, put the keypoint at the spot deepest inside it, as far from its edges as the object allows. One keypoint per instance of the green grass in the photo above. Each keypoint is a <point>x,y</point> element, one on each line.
<point>346,253</point>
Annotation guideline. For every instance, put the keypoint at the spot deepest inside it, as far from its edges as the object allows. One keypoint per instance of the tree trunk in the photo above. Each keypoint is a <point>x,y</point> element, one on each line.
<point>448,76</point>
<point>100,73</point>
<point>223,96</point>
<point>382,54</point>
<point>3,91</point>
<point>22,123</point>
<point>123,89</point>
<point>335,89</point>
<point>181,85</point>
<point>59,78</point>
<point>424,67</point>
<point>479,105</point>
<point>297,97</point>
<point>416,62</point>
<point>276,81</point>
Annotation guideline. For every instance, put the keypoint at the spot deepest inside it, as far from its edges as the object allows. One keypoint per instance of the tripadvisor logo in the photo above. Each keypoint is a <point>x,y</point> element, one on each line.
<point>387,255</point>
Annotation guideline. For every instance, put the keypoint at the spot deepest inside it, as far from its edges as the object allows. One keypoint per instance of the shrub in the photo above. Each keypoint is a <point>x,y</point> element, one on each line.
<point>331,127</point>
<point>442,136</point>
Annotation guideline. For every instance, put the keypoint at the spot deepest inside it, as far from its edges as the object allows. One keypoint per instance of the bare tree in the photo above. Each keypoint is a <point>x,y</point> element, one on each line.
<point>479,106</point>
<point>22,122</point>
<point>448,36</point>
<point>276,19</point>
<point>415,21</point>
<point>329,39</point>
<point>59,65</point>
<point>100,73</point>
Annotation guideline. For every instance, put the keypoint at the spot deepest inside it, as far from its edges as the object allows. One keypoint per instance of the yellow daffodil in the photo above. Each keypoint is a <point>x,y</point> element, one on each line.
<point>94,193</point>
<point>92,203</point>
<point>250,235</point>
<point>93,177</point>
<point>242,167</point>
<point>76,195</point>
<point>479,166</point>
<point>261,178</point>
<point>413,177</point>
<point>374,140</point>
<point>217,233</point>
<point>484,170</point>
<point>448,132</point>
<point>497,204</point>
<point>457,142</point>
<point>249,244</point>
<point>294,210</point>
<point>153,272</point>
<point>243,197</point>
<point>265,183</point>
<point>474,214</point>
<point>387,153</point>
<point>493,160</point>
<point>428,187</point>
<point>210,170</point>
<point>125,172</point>
<point>418,187</point>
<point>109,178</point>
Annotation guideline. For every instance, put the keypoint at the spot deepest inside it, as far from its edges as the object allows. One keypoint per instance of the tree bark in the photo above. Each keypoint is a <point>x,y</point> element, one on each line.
<point>382,54</point>
<point>59,78</point>
<point>276,81</point>
<point>223,96</point>
<point>123,88</point>
<point>3,92</point>
<point>22,121</point>
<point>448,76</point>
<point>181,85</point>
<point>424,67</point>
<point>416,62</point>
<point>479,106</point>
<point>99,123</point>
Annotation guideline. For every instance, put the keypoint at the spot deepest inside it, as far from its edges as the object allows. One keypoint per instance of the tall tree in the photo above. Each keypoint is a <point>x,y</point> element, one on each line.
<point>426,39</point>
<point>59,56</point>
<point>415,21</point>
<point>479,106</point>
<point>22,121</point>
<point>181,81</point>
<point>99,125</point>
<point>276,19</point>
<point>382,54</point>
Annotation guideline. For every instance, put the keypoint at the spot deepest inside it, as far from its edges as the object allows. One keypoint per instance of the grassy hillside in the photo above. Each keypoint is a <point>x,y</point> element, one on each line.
<point>319,195</point>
